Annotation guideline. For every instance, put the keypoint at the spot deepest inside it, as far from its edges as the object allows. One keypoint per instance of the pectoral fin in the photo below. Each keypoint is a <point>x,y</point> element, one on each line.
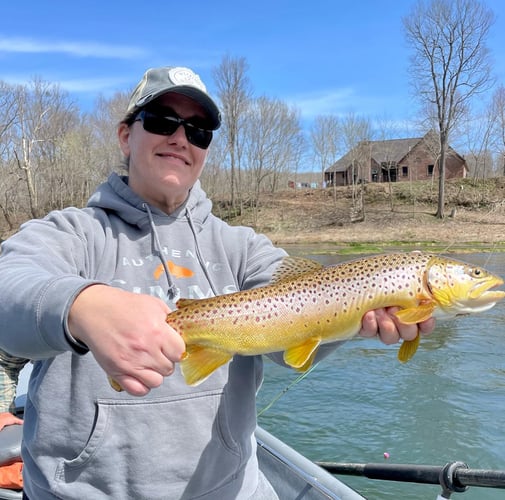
<point>413,315</point>
<point>408,349</point>
<point>301,356</point>
<point>199,362</point>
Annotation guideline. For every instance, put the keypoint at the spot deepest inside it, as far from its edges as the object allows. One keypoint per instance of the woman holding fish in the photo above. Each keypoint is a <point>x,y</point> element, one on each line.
<point>85,293</point>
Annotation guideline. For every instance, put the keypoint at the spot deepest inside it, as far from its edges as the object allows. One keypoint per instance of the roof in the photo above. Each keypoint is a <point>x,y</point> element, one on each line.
<point>390,151</point>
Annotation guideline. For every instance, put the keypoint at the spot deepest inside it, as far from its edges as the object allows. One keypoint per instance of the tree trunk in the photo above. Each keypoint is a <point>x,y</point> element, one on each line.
<point>441,180</point>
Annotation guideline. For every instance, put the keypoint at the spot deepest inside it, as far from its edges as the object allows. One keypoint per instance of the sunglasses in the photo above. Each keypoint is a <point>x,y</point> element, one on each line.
<point>167,125</point>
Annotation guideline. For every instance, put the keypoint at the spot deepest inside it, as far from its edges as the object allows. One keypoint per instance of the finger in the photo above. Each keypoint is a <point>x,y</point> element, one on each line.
<point>427,327</point>
<point>388,331</point>
<point>165,367</point>
<point>369,327</point>
<point>129,384</point>
<point>137,386</point>
<point>406,332</point>
<point>174,347</point>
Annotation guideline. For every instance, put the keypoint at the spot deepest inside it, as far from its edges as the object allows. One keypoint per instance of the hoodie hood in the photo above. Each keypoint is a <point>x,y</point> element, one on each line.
<point>116,196</point>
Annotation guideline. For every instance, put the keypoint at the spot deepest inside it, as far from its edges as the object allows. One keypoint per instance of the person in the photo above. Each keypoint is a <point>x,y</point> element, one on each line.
<point>10,367</point>
<point>85,293</point>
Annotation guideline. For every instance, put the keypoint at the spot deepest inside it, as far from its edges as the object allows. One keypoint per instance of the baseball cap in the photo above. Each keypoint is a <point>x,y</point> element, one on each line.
<point>159,81</point>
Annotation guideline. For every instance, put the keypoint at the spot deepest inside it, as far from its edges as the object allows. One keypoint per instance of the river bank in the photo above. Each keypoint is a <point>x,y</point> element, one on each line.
<point>406,220</point>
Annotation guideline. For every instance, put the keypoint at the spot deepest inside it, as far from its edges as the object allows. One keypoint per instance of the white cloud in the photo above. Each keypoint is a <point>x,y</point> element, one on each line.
<point>78,49</point>
<point>322,102</point>
<point>92,84</point>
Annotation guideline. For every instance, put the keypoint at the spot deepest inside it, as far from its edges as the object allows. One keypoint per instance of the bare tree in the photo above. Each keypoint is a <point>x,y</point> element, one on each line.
<point>477,131</point>
<point>324,135</point>
<point>273,145</point>
<point>8,116</point>
<point>450,63</point>
<point>497,110</point>
<point>214,176</point>
<point>8,181</point>
<point>234,93</point>
<point>45,115</point>
<point>385,130</point>
<point>103,123</point>
<point>356,133</point>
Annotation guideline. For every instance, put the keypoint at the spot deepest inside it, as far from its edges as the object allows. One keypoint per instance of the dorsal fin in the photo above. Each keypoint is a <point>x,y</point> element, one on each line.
<point>293,267</point>
<point>181,303</point>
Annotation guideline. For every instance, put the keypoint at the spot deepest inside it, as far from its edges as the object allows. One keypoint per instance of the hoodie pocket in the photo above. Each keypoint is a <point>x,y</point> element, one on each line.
<point>151,449</point>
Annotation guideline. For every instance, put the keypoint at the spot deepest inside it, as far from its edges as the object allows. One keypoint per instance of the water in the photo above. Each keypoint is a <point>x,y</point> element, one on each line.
<point>445,404</point>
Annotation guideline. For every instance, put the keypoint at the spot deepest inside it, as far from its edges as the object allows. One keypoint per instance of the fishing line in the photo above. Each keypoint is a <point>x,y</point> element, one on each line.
<point>286,389</point>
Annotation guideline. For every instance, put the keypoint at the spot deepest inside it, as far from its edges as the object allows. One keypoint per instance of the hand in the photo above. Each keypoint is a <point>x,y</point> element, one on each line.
<point>7,418</point>
<point>384,323</point>
<point>128,335</point>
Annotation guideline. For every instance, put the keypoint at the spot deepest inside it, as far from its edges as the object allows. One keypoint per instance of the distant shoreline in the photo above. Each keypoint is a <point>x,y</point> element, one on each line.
<point>313,247</point>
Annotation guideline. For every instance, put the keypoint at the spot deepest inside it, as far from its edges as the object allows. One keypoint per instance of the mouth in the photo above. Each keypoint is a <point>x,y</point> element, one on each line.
<point>174,156</point>
<point>483,293</point>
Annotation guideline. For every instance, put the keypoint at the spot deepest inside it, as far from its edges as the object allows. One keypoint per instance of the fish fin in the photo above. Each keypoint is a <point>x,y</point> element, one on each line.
<point>308,363</point>
<point>114,384</point>
<point>416,314</point>
<point>301,356</point>
<point>185,302</point>
<point>294,267</point>
<point>199,362</point>
<point>408,349</point>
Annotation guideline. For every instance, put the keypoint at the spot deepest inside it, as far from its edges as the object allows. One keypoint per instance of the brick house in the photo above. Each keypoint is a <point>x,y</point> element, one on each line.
<point>394,160</point>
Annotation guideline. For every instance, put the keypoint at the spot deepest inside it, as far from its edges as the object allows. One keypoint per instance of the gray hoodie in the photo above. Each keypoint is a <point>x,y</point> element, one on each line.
<point>82,439</point>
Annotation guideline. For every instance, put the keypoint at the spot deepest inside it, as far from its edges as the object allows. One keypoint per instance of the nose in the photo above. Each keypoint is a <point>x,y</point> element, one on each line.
<point>179,135</point>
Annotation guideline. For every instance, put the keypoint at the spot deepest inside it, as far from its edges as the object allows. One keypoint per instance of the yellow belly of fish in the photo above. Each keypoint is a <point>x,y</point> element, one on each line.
<point>260,325</point>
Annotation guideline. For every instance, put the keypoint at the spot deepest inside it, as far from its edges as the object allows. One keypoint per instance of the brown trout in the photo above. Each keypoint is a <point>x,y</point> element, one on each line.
<point>307,305</point>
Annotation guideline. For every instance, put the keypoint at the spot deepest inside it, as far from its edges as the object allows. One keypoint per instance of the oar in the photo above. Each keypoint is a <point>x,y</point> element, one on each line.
<point>453,477</point>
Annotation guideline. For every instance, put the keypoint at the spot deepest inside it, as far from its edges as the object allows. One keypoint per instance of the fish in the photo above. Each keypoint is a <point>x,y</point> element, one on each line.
<point>307,304</point>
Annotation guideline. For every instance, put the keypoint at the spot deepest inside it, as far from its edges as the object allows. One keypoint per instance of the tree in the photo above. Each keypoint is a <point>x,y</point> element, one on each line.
<point>356,133</point>
<point>324,135</point>
<point>477,132</point>
<point>450,63</point>
<point>234,93</point>
<point>273,144</point>
<point>498,112</point>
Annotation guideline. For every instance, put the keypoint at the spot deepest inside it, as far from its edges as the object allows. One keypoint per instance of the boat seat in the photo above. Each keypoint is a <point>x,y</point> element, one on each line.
<point>10,451</point>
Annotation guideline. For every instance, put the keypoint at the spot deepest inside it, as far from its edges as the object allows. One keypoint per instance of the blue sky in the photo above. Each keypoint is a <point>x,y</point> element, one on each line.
<point>324,56</point>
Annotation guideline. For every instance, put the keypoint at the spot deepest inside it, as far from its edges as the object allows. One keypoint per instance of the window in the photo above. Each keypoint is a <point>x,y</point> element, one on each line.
<point>405,171</point>
<point>431,168</point>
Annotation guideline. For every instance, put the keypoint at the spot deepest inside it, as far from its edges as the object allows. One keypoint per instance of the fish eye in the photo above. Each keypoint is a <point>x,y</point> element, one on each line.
<point>475,272</point>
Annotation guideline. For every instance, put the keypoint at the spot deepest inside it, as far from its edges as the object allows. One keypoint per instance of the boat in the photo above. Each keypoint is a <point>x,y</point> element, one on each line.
<point>293,475</point>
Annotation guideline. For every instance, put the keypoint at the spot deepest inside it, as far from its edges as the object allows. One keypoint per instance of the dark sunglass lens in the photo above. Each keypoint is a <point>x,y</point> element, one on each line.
<point>167,125</point>
<point>160,125</point>
<point>198,136</point>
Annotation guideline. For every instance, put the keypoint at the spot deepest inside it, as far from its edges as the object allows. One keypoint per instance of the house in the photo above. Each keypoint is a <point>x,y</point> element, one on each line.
<point>394,160</point>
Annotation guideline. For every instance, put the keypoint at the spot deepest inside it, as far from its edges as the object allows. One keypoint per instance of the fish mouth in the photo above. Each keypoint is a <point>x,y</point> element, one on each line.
<point>482,294</point>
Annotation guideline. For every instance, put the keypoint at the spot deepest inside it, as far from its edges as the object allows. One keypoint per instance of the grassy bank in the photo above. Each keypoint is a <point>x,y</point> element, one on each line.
<point>396,217</point>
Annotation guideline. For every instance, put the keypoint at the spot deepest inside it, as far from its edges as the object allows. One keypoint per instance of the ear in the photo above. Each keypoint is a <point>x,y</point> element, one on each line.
<point>123,133</point>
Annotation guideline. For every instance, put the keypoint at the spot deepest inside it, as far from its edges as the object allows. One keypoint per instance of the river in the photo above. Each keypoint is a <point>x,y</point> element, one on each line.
<point>360,403</point>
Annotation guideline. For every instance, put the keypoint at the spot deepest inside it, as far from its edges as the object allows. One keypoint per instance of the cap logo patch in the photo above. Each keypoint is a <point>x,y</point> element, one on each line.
<point>184,76</point>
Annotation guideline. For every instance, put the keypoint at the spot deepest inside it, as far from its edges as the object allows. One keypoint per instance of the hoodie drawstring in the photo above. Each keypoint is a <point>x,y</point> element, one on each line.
<point>199,253</point>
<point>173,291</point>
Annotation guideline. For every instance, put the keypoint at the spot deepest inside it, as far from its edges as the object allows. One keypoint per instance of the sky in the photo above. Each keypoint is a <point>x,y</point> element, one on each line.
<point>322,56</point>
